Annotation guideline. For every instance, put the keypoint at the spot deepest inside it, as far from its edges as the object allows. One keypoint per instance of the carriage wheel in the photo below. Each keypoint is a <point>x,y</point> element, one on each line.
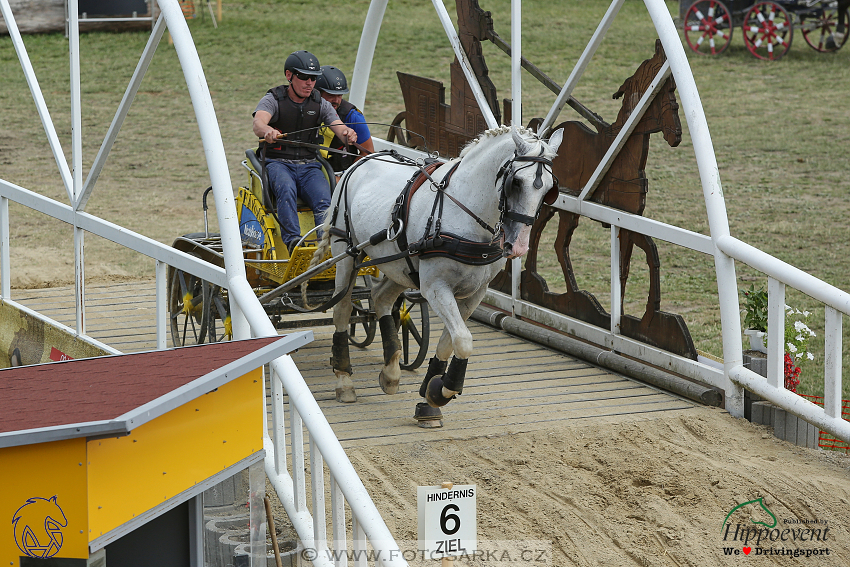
<point>768,31</point>
<point>216,314</point>
<point>186,308</point>
<point>362,334</point>
<point>414,321</point>
<point>825,29</point>
<point>708,27</point>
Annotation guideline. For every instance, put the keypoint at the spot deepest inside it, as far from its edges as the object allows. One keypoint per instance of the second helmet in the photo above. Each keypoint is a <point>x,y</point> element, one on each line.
<point>332,81</point>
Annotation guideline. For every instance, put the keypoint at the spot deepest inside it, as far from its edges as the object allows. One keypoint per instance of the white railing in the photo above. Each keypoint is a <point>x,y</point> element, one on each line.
<point>724,248</point>
<point>289,478</point>
<point>249,317</point>
<point>836,305</point>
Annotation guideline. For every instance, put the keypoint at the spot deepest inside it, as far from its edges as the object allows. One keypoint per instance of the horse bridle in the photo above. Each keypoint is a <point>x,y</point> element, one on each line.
<point>507,173</point>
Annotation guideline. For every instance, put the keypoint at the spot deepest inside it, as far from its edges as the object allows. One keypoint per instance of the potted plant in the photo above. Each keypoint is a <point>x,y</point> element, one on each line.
<point>796,339</point>
<point>797,335</point>
<point>755,317</point>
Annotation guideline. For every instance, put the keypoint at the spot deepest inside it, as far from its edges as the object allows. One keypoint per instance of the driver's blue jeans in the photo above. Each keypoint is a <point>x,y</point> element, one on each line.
<point>292,181</point>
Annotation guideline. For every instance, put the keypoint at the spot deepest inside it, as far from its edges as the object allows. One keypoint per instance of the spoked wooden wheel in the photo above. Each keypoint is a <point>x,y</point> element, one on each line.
<point>362,333</point>
<point>768,31</point>
<point>708,27</point>
<point>216,314</point>
<point>186,308</point>
<point>825,27</point>
<point>415,325</point>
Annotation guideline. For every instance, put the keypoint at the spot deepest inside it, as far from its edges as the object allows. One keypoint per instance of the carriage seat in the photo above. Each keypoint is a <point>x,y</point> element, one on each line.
<point>268,197</point>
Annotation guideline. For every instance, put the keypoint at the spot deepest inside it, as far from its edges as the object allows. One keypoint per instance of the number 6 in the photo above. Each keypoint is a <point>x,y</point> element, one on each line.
<point>444,518</point>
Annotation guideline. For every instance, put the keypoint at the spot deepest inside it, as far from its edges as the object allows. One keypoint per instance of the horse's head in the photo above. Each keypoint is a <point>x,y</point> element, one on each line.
<point>662,112</point>
<point>527,182</point>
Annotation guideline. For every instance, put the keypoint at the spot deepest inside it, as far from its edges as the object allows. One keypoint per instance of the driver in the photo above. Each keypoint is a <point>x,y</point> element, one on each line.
<point>296,110</point>
<point>332,85</point>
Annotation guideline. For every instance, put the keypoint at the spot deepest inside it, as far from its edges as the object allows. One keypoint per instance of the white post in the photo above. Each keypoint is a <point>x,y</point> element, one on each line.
<point>775,333</point>
<point>516,63</point>
<point>338,522</point>
<point>162,327</point>
<point>616,290</point>
<point>278,423</point>
<point>516,120</point>
<point>296,436</point>
<point>80,279</point>
<point>366,52</point>
<point>5,262</point>
<point>317,484</point>
<point>76,102</point>
<point>832,362</point>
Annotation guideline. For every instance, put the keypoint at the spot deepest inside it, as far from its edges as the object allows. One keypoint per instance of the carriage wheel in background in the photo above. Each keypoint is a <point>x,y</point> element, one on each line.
<point>708,27</point>
<point>216,314</point>
<point>825,28</point>
<point>363,333</point>
<point>414,323</point>
<point>186,308</point>
<point>768,31</point>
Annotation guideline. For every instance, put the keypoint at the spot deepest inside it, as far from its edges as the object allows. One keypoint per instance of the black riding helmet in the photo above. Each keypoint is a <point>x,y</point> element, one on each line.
<point>303,62</point>
<point>332,81</point>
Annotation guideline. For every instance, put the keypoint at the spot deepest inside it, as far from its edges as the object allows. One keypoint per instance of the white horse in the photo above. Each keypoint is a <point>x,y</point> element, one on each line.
<point>501,179</point>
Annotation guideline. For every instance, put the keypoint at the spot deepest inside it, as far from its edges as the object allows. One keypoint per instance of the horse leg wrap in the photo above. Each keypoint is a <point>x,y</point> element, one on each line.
<point>389,337</point>
<point>436,367</point>
<point>453,378</point>
<point>340,360</point>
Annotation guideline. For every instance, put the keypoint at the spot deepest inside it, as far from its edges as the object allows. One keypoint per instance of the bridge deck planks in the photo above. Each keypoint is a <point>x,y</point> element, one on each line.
<point>512,385</point>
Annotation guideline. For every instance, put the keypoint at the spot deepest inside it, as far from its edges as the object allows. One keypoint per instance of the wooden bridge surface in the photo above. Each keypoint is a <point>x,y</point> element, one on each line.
<point>512,384</point>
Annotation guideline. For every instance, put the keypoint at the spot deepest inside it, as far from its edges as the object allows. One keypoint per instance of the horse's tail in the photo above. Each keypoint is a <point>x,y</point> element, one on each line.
<point>318,256</point>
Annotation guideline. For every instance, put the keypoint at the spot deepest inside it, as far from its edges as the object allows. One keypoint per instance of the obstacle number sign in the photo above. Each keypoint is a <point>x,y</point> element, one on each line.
<point>448,524</point>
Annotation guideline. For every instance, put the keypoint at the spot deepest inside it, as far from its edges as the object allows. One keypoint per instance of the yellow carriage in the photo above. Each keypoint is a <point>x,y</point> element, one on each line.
<point>199,310</point>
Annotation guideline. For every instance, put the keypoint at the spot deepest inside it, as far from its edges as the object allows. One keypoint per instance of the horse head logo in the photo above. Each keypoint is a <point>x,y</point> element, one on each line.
<point>38,527</point>
<point>760,502</point>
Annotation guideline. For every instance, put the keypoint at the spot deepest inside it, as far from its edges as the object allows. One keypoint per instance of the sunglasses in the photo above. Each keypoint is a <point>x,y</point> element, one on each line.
<point>302,77</point>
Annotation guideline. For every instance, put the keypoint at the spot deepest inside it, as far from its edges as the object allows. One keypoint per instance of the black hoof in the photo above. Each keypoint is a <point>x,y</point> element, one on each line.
<point>434,393</point>
<point>424,412</point>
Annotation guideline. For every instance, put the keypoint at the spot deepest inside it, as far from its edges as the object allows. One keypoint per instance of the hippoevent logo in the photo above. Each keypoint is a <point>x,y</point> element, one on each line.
<point>38,527</point>
<point>752,528</point>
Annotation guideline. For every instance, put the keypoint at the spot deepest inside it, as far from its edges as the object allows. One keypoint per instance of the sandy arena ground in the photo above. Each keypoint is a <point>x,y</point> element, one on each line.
<point>639,491</point>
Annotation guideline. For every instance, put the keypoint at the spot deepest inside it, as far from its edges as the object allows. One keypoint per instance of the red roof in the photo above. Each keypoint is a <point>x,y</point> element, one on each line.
<point>103,388</point>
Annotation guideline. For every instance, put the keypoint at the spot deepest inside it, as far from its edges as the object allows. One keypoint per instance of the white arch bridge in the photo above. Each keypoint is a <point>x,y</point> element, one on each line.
<point>250,319</point>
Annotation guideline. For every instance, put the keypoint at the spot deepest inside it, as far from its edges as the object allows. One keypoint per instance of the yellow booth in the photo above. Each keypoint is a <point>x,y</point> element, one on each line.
<point>104,461</point>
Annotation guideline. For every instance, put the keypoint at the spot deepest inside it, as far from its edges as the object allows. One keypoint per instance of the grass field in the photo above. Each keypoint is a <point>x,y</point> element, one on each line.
<point>779,129</point>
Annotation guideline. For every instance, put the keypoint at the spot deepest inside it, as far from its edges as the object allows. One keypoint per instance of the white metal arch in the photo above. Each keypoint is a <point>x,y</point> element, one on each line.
<point>250,318</point>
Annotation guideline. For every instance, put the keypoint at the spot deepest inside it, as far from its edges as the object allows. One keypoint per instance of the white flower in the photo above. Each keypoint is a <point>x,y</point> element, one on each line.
<point>799,356</point>
<point>792,347</point>
<point>806,313</point>
<point>799,338</point>
<point>810,356</point>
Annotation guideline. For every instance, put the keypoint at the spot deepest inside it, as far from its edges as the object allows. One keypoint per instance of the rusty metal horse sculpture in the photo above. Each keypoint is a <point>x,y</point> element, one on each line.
<point>623,187</point>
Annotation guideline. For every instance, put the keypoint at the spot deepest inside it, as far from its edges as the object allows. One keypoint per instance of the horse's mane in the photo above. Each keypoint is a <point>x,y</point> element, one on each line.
<point>501,131</point>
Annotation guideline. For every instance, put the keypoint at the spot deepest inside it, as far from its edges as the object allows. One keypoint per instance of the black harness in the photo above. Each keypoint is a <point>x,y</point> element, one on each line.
<point>439,243</point>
